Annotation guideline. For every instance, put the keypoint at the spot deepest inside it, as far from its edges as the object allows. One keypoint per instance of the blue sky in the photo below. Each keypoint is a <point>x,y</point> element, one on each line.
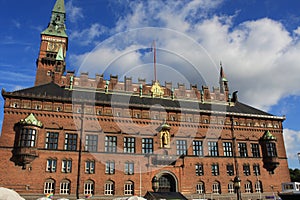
<point>257,42</point>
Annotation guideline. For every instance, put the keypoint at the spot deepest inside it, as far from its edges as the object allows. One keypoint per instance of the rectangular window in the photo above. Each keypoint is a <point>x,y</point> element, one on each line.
<point>255,150</point>
<point>90,167</point>
<point>129,145</point>
<point>51,165</point>
<point>71,142</point>
<point>51,140</point>
<point>199,169</point>
<point>213,149</point>
<point>110,144</point>
<point>109,167</point>
<point>227,148</point>
<point>147,145</point>
<point>91,143</point>
<point>243,149</point>
<point>215,169</point>
<point>66,166</point>
<point>129,168</point>
<point>181,147</point>
<point>271,149</point>
<point>246,169</point>
<point>230,169</point>
<point>197,148</point>
<point>256,170</point>
<point>27,138</point>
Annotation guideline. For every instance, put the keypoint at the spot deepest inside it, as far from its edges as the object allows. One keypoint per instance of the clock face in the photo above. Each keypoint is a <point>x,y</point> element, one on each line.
<point>52,46</point>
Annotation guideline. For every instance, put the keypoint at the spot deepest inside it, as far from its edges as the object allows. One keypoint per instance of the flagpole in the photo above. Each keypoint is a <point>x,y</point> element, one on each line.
<point>154,60</point>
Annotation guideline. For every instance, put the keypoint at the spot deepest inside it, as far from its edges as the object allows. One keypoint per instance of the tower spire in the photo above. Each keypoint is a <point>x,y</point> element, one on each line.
<point>54,45</point>
<point>223,80</point>
<point>56,26</point>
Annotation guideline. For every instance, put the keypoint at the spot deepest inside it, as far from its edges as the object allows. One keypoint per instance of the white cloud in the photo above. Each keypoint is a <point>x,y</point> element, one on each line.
<point>88,36</point>
<point>260,57</point>
<point>74,13</point>
<point>292,140</point>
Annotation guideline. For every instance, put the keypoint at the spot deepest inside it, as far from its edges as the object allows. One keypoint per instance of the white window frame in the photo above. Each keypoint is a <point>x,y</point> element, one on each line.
<point>64,187</point>
<point>128,188</point>
<point>230,188</point>
<point>49,186</point>
<point>89,167</point>
<point>109,188</point>
<point>51,165</point>
<point>66,166</point>
<point>129,168</point>
<point>248,187</point>
<point>200,188</point>
<point>89,187</point>
<point>216,188</point>
<point>110,167</point>
<point>258,187</point>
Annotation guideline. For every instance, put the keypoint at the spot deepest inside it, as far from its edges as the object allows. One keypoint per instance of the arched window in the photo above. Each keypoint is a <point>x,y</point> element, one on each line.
<point>258,187</point>
<point>200,189</point>
<point>89,187</point>
<point>65,186</point>
<point>230,187</point>
<point>49,186</point>
<point>248,187</point>
<point>128,188</point>
<point>109,188</point>
<point>216,189</point>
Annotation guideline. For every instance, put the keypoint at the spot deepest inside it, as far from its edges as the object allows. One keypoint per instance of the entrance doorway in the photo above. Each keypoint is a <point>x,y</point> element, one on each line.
<point>167,183</point>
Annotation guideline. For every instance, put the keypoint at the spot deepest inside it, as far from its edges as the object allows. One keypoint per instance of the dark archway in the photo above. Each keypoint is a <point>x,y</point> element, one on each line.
<point>167,183</point>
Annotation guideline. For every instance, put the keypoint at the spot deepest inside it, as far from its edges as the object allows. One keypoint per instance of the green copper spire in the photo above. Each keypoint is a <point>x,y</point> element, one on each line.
<point>59,6</point>
<point>57,26</point>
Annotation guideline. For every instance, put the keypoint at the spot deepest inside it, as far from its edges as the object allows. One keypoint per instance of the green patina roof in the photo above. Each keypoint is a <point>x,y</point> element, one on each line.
<point>60,54</point>
<point>57,25</point>
<point>31,120</point>
<point>268,136</point>
<point>59,6</point>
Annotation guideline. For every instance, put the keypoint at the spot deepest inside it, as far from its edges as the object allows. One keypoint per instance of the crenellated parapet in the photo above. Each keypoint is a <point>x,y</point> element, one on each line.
<point>204,94</point>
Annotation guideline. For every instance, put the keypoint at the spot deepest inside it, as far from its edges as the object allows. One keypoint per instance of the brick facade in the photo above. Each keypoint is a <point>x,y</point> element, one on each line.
<point>80,119</point>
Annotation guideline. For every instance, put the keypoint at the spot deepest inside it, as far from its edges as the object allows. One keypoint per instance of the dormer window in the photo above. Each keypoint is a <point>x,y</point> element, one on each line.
<point>99,112</point>
<point>38,107</point>
<point>14,105</point>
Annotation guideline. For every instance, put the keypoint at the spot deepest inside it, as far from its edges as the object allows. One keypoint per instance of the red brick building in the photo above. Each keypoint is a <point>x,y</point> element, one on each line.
<point>75,136</point>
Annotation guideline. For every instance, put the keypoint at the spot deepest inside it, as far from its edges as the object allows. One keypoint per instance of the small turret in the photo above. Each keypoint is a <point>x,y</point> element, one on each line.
<point>223,80</point>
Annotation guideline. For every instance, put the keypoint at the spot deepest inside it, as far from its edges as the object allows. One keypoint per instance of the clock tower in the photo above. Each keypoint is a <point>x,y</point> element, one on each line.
<point>54,44</point>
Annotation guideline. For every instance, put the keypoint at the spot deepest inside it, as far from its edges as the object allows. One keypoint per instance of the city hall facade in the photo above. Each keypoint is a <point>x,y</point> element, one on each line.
<point>76,136</point>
